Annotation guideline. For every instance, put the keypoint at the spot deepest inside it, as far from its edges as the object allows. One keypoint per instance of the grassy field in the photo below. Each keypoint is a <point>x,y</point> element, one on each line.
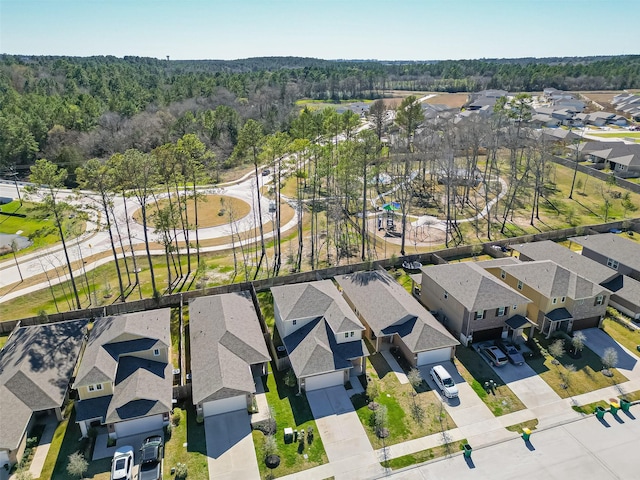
<point>476,371</point>
<point>622,134</point>
<point>398,398</point>
<point>587,376</point>
<point>289,410</point>
<point>422,456</point>
<point>629,339</point>
<point>212,210</point>
<point>187,445</point>
<point>37,225</point>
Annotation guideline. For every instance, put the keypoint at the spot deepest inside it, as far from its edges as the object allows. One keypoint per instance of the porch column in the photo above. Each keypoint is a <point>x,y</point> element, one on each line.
<point>83,429</point>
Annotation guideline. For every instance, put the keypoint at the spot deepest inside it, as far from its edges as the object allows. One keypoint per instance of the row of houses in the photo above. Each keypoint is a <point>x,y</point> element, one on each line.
<point>119,368</point>
<point>629,104</point>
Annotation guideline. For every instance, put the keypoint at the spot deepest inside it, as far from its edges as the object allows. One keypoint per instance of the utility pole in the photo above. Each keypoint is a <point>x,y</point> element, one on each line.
<point>14,174</point>
<point>575,167</point>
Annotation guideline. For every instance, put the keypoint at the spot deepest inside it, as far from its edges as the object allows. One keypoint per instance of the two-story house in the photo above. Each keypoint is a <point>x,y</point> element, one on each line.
<point>36,366</point>
<point>321,334</point>
<point>613,250</point>
<point>560,299</point>
<point>229,353</point>
<point>392,316</point>
<point>125,378</point>
<point>472,303</point>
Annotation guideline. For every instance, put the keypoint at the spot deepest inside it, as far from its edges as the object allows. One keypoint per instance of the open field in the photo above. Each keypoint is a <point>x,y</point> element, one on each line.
<point>621,134</point>
<point>453,100</point>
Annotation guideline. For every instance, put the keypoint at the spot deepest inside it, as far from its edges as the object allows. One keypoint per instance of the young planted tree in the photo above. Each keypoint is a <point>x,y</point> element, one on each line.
<point>577,342</point>
<point>556,349</point>
<point>48,179</point>
<point>609,360</point>
<point>77,466</point>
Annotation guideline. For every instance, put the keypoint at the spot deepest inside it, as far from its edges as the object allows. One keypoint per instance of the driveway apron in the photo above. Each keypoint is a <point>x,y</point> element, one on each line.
<point>598,341</point>
<point>345,441</point>
<point>230,449</point>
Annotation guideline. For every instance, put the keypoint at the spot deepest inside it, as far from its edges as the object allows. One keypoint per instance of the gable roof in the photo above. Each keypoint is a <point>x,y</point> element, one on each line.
<point>583,266</point>
<point>110,337</point>
<point>226,339</point>
<point>389,309</point>
<point>613,246</point>
<point>316,299</point>
<point>473,286</point>
<point>552,280</point>
<point>36,365</point>
<point>313,350</point>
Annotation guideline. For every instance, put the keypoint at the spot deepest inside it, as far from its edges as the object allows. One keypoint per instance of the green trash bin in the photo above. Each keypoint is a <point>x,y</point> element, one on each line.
<point>600,412</point>
<point>526,434</point>
<point>614,407</point>
<point>624,405</point>
<point>467,450</point>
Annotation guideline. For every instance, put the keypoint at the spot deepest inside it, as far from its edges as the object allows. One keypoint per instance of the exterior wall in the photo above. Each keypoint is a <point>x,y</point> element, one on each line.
<point>148,355</point>
<point>286,328</point>
<point>84,393</point>
<point>586,308</point>
<point>628,308</point>
<point>408,354</point>
<point>538,304</point>
<point>602,259</point>
<point>432,295</point>
<point>357,335</point>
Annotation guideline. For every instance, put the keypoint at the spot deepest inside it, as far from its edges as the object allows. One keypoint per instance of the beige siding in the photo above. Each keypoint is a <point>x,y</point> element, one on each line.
<point>432,295</point>
<point>357,335</point>
<point>84,393</point>
<point>148,355</point>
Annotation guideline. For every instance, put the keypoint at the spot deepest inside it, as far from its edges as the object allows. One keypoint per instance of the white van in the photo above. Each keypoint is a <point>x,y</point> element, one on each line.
<point>444,381</point>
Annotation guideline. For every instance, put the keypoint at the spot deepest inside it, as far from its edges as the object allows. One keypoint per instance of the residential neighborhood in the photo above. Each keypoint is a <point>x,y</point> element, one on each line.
<point>335,338</point>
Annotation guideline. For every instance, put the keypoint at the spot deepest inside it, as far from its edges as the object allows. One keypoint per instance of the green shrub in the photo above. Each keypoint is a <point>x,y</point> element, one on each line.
<point>176,417</point>
<point>181,471</point>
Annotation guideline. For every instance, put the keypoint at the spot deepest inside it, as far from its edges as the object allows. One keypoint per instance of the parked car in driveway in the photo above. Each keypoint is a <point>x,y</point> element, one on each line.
<point>495,355</point>
<point>512,353</point>
<point>122,463</point>
<point>151,459</point>
<point>444,381</point>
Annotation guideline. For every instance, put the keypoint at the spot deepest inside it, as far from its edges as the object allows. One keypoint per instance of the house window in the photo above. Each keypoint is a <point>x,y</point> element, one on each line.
<point>99,386</point>
<point>599,300</point>
<point>351,334</point>
<point>295,321</point>
<point>554,300</point>
<point>156,352</point>
<point>346,335</point>
<point>479,314</point>
<point>611,263</point>
<point>519,284</point>
<point>563,299</point>
<point>91,388</point>
<point>501,311</point>
<point>515,307</point>
<point>503,275</point>
<point>446,295</point>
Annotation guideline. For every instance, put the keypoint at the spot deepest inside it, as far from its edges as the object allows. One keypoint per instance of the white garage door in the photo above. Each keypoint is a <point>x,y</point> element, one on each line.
<point>139,425</point>
<point>224,405</point>
<point>323,381</point>
<point>434,356</point>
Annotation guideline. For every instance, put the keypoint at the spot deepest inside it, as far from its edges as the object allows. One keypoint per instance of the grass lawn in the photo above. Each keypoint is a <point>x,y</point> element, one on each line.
<point>398,399</point>
<point>3,340</point>
<point>209,209</point>
<point>424,455</point>
<point>587,377</point>
<point>622,134</point>
<point>629,339</point>
<point>195,454</point>
<point>476,371</point>
<point>530,424</point>
<point>37,225</point>
<point>289,410</point>
<point>64,443</point>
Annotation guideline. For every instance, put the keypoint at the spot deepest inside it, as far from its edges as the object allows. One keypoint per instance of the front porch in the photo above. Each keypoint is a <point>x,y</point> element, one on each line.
<point>558,319</point>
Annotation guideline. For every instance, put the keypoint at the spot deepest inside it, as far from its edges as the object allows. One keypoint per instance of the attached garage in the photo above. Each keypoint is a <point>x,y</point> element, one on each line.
<point>139,425</point>
<point>224,405</point>
<point>434,356</point>
<point>323,381</point>
<point>591,322</point>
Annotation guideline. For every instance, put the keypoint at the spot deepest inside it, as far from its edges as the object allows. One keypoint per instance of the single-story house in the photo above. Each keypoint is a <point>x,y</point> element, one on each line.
<point>36,366</point>
<point>228,352</point>
<point>393,317</point>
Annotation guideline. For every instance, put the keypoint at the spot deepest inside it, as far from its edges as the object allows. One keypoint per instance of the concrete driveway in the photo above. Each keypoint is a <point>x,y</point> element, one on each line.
<point>598,341</point>
<point>343,436</point>
<point>230,449</point>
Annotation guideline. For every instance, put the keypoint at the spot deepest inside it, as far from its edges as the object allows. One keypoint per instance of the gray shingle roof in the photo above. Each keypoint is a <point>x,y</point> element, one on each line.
<point>36,365</point>
<point>388,308</point>
<point>625,288</point>
<point>112,336</point>
<point>473,286</point>
<point>316,299</point>
<point>226,339</point>
<point>313,350</point>
<point>583,266</point>
<point>613,246</point>
<point>552,280</point>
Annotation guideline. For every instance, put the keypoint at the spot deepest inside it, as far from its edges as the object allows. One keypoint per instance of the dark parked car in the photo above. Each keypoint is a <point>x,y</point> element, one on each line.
<point>495,356</point>
<point>512,353</point>
<point>151,459</point>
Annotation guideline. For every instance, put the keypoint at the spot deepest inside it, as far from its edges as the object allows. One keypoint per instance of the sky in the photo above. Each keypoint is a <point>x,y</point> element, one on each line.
<point>329,29</point>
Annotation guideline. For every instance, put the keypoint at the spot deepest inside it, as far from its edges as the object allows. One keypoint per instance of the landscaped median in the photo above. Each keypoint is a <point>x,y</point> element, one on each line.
<point>405,420</point>
<point>476,371</point>
<point>289,410</point>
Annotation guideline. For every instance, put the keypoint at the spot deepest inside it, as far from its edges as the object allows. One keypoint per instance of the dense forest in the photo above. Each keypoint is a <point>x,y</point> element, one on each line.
<point>70,109</point>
